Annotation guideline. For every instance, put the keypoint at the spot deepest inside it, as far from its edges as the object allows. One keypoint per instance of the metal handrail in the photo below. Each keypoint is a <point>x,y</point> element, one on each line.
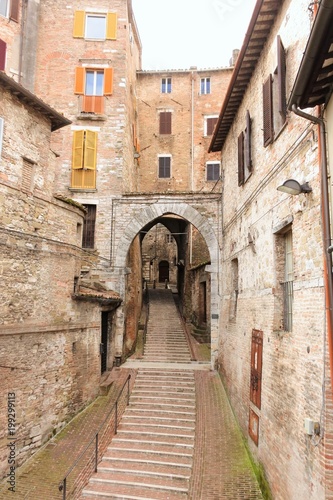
<point>63,485</point>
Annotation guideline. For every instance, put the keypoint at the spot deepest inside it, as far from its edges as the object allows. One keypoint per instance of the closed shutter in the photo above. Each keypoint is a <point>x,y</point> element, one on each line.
<point>241,159</point>
<point>111,28</point>
<point>108,81</point>
<point>14,10</point>
<point>79,21</point>
<point>247,141</point>
<point>79,80</point>
<point>211,122</point>
<point>282,78</point>
<point>3,49</point>
<point>256,367</point>
<point>165,122</point>
<point>164,163</point>
<point>268,111</point>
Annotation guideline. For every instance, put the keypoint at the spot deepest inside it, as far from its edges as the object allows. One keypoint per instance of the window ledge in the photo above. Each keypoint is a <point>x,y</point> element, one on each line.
<point>91,117</point>
<point>85,190</point>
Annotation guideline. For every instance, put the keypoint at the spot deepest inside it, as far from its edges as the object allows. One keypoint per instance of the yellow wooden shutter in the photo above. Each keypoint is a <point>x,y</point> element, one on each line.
<point>90,150</point>
<point>111,26</point>
<point>108,81</point>
<point>79,20</point>
<point>77,159</point>
<point>79,80</point>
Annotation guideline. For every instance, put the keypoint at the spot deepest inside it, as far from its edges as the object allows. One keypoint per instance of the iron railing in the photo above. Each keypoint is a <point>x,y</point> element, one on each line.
<point>86,463</point>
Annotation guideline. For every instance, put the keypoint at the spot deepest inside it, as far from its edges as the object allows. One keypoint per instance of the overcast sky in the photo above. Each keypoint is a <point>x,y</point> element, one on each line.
<point>177,34</point>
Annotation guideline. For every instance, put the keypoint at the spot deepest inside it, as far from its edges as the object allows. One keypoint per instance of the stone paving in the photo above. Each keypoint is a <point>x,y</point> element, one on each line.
<point>221,468</point>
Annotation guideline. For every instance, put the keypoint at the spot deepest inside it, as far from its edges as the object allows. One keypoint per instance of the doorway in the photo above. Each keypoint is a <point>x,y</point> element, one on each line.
<point>163,271</point>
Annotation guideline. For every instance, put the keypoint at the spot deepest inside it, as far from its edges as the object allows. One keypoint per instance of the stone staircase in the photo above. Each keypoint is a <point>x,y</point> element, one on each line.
<point>151,456</point>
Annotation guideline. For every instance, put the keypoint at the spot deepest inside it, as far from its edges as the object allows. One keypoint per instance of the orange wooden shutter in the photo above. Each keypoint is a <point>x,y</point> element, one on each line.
<point>111,26</point>
<point>79,20</point>
<point>79,80</point>
<point>14,10</point>
<point>108,81</point>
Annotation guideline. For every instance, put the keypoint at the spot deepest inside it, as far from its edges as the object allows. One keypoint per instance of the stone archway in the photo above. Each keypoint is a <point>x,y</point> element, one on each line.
<point>141,214</point>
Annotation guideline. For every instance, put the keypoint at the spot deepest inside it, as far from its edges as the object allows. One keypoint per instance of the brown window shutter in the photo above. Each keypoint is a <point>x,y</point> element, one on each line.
<point>241,159</point>
<point>108,81</point>
<point>247,152</point>
<point>268,111</point>
<point>282,78</point>
<point>211,122</point>
<point>165,122</point>
<point>256,367</point>
<point>79,80</point>
<point>14,10</point>
<point>3,49</point>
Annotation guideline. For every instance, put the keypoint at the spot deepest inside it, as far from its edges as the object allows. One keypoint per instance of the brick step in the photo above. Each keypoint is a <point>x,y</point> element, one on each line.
<point>163,390</point>
<point>166,346</point>
<point>121,492</point>
<point>154,442</point>
<point>157,398</point>
<point>160,405</point>
<point>180,458</point>
<point>148,425</point>
<point>167,433</point>
<point>155,379</point>
<point>141,471</point>
<point>168,359</point>
<point>166,373</point>
<point>132,479</point>
<point>151,419</point>
<point>164,412</point>
<point>146,468</point>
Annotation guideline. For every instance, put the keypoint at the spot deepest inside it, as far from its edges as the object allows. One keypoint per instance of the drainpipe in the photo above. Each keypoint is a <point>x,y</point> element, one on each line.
<point>328,248</point>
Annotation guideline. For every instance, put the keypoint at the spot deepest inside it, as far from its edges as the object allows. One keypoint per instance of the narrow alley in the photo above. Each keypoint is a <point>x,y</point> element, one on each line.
<point>177,438</point>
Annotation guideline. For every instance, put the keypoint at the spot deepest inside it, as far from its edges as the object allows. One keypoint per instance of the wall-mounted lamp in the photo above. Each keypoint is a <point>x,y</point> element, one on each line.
<point>291,186</point>
<point>136,155</point>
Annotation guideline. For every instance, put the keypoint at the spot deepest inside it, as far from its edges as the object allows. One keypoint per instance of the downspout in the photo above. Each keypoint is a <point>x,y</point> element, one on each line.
<point>326,229</point>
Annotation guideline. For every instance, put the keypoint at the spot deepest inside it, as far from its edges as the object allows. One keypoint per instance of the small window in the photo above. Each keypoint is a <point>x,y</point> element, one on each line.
<point>164,167</point>
<point>213,171</point>
<point>166,85</point>
<point>168,238</point>
<point>93,84</point>
<point>1,134</point>
<point>10,8</point>
<point>165,122</point>
<point>95,26</point>
<point>88,236</point>
<point>210,122</point>
<point>4,7</point>
<point>205,85</point>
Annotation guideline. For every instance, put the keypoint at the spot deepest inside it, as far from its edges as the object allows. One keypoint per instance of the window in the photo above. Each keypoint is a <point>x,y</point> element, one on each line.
<point>274,98</point>
<point>3,50</point>
<point>166,85</point>
<point>88,236</point>
<point>244,152</point>
<point>10,8</point>
<point>213,171</point>
<point>205,85</point>
<point>95,26</point>
<point>28,168</point>
<point>168,238</point>
<point>210,122</point>
<point>84,159</point>
<point>164,167</point>
<point>287,285</point>
<point>256,367</point>
<point>165,122</point>
<point>93,84</point>
<point>1,134</point>
<point>234,290</point>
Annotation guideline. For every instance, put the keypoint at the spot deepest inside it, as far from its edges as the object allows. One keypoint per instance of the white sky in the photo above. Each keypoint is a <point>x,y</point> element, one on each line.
<point>177,34</point>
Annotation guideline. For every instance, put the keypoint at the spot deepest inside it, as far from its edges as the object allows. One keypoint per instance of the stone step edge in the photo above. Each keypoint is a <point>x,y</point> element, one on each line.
<point>149,433</point>
<point>144,461</point>
<point>162,443</point>
<point>153,452</point>
<point>163,426</point>
<point>149,417</point>
<point>161,404</point>
<point>148,410</point>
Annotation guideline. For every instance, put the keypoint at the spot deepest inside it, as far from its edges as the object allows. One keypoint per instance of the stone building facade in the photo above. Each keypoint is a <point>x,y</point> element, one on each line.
<point>273,330</point>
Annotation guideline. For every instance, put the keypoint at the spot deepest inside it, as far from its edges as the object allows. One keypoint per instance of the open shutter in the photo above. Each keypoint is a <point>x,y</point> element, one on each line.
<point>247,141</point>
<point>79,80</point>
<point>79,20</point>
<point>241,159</point>
<point>77,159</point>
<point>3,49</point>
<point>268,111</point>
<point>282,78</point>
<point>14,10</point>
<point>90,150</point>
<point>111,26</point>
<point>108,81</point>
